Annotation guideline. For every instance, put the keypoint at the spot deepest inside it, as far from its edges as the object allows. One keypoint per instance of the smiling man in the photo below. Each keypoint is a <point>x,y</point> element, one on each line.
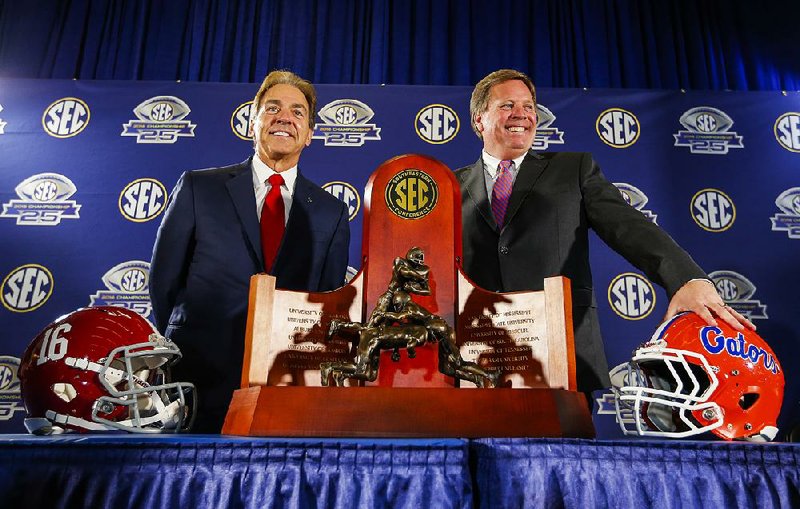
<point>526,216</point>
<point>223,225</point>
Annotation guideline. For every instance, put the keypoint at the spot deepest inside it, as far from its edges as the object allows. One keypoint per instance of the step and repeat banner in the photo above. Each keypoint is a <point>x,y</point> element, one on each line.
<point>86,169</point>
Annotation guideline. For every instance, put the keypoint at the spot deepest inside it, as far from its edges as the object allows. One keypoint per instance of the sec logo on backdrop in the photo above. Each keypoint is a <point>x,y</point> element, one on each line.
<point>345,193</point>
<point>10,393</point>
<point>737,291</point>
<point>707,131</point>
<point>631,296</point>
<point>713,210</point>
<point>437,123</point>
<point>789,220</point>
<point>345,123</point>
<point>161,119</point>
<point>44,200</point>
<point>635,198</point>
<point>618,128</point>
<point>142,200</point>
<point>546,132</point>
<point>127,285</point>
<point>66,117</point>
<point>26,288</point>
<point>240,121</point>
<point>787,131</point>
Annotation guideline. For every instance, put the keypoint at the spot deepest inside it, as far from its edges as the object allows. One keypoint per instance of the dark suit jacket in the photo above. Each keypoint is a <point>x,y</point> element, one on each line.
<point>208,246</point>
<point>556,199</point>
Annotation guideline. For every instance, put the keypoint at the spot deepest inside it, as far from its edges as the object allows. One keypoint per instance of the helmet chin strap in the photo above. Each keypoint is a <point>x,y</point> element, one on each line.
<point>166,415</point>
<point>767,434</point>
<point>42,427</point>
<point>69,420</point>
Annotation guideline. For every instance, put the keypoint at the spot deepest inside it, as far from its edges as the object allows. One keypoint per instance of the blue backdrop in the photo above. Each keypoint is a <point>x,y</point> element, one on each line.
<point>85,168</point>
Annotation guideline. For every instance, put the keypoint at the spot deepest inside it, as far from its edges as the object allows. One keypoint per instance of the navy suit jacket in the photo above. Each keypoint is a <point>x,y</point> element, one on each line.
<point>208,246</point>
<point>556,199</point>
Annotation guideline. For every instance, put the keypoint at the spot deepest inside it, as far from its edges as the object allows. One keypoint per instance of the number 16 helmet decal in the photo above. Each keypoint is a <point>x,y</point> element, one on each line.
<point>691,378</point>
<point>100,369</point>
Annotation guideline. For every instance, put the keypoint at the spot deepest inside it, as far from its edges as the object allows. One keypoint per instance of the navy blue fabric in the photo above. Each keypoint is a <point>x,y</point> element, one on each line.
<point>571,473</point>
<point>199,472</point>
<point>690,44</point>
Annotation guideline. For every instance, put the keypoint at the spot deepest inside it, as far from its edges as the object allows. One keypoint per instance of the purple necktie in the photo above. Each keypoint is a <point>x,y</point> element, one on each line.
<point>502,191</point>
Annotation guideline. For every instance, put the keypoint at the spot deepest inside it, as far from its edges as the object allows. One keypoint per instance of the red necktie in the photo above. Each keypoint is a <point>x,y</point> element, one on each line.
<point>501,191</point>
<point>272,221</point>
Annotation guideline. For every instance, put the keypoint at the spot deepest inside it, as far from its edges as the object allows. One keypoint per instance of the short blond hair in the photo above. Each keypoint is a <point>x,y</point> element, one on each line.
<point>282,77</point>
<point>479,101</point>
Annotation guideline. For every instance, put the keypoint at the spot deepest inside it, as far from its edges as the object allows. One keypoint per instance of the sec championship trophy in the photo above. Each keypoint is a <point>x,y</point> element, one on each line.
<point>410,347</point>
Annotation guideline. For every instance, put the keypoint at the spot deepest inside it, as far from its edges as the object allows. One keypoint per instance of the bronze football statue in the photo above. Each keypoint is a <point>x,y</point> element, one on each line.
<point>396,323</point>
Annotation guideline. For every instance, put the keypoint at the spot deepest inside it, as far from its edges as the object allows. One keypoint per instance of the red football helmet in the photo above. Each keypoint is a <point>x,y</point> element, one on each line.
<point>100,369</point>
<point>692,377</point>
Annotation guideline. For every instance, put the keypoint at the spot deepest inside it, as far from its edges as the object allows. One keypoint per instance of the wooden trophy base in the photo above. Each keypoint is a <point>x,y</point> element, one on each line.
<point>407,412</point>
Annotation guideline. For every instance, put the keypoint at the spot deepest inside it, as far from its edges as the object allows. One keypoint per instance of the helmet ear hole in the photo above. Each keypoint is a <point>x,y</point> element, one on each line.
<point>748,400</point>
<point>64,391</point>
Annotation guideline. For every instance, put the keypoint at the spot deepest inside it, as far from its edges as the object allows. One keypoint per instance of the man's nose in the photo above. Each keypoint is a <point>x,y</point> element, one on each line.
<point>284,116</point>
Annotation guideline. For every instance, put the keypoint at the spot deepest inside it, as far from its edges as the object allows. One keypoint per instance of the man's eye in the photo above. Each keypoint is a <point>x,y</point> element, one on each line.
<point>299,113</point>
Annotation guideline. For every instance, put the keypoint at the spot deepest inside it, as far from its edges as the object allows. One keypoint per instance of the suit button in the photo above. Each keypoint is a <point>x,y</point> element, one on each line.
<point>504,250</point>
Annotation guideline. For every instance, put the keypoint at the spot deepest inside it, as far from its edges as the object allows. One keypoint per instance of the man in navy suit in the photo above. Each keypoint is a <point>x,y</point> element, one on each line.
<point>225,224</point>
<point>551,200</point>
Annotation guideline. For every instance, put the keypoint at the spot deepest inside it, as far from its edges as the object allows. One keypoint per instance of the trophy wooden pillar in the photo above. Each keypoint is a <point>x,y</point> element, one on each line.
<point>413,201</point>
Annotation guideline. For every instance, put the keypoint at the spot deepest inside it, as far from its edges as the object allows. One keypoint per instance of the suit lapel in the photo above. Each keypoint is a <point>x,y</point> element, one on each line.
<point>475,186</point>
<point>301,198</point>
<point>240,188</point>
<point>529,172</point>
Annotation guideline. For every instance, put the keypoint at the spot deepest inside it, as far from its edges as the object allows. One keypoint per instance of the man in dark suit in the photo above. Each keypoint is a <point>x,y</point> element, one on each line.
<point>527,216</point>
<point>223,225</point>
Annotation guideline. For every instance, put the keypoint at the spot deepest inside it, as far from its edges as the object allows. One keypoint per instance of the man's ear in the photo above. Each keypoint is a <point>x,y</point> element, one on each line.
<point>310,135</point>
<point>478,123</point>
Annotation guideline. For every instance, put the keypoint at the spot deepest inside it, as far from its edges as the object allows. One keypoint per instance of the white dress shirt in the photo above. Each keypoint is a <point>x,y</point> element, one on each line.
<point>261,186</point>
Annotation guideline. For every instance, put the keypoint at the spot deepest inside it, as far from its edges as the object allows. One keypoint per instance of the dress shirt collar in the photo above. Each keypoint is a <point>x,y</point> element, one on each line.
<point>490,163</point>
<point>262,172</point>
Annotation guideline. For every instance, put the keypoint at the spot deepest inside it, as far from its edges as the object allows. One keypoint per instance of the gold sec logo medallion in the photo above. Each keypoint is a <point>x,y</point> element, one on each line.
<point>411,194</point>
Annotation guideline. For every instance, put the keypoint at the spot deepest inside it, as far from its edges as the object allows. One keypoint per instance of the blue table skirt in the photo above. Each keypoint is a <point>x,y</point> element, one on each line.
<point>524,473</point>
<point>193,471</point>
<point>189,471</point>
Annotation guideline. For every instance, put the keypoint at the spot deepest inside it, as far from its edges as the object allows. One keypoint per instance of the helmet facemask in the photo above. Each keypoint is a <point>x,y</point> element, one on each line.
<point>664,391</point>
<point>137,379</point>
